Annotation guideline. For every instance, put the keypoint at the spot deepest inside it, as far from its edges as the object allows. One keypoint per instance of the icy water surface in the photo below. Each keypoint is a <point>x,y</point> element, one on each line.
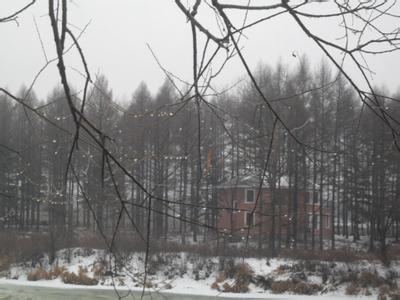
<point>20,292</point>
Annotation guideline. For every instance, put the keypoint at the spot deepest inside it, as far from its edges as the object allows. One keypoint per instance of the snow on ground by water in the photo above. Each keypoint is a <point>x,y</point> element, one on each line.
<point>193,274</point>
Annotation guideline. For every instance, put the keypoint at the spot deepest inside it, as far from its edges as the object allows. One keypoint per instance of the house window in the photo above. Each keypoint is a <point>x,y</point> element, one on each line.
<point>249,196</point>
<point>312,217</point>
<point>249,219</point>
<point>308,198</point>
<point>327,222</point>
<point>235,205</point>
<point>310,220</point>
<point>315,197</point>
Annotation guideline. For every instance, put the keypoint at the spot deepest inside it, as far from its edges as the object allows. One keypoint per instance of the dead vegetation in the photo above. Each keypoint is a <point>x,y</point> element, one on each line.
<point>306,277</point>
<point>295,287</point>
<point>81,278</point>
<point>38,274</point>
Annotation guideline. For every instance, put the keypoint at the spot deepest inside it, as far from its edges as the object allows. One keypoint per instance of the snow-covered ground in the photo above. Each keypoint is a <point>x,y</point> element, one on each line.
<point>187,273</point>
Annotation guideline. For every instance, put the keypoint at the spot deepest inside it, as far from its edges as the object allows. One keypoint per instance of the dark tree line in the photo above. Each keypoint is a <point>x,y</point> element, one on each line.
<point>181,149</point>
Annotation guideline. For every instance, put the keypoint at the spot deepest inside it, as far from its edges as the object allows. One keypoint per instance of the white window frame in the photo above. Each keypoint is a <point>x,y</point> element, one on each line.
<point>235,205</point>
<point>317,221</point>
<point>309,221</point>
<point>327,222</point>
<point>246,213</point>
<point>254,196</point>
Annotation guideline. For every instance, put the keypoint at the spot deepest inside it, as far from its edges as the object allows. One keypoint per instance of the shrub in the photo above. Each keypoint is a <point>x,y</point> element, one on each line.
<point>370,279</point>
<point>240,286</point>
<point>281,286</point>
<point>296,287</point>
<point>148,284</point>
<point>264,282</point>
<point>167,286</point>
<point>121,281</point>
<point>384,289</point>
<point>99,270</point>
<point>221,277</point>
<point>226,287</point>
<point>80,279</point>
<point>38,274</point>
<point>382,297</point>
<point>240,271</point>
<point>56,271</point>
<point>5,262</point>
<point>353,289</point>
<point>243,270</point>
<point>215,286</point>
<point>303,288</point>
<point>395,295</point>
<point>229,268</point>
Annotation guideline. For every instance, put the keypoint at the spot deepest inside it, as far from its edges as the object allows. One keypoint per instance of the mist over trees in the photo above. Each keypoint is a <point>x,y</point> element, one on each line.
<point>181,150</point>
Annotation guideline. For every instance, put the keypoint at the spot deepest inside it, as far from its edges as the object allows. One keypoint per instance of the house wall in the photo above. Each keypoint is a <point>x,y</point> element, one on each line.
<point>233,222</point>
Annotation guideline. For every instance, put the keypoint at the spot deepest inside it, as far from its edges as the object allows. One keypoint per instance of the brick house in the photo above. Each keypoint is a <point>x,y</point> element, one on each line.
<point>275,212</point>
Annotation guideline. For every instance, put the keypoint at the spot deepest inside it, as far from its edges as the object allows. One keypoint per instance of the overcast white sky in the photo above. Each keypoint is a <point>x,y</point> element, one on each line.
<point>115,45</point>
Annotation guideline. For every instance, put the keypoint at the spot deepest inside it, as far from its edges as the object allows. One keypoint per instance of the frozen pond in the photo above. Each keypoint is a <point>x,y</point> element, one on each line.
<point>23,292</point>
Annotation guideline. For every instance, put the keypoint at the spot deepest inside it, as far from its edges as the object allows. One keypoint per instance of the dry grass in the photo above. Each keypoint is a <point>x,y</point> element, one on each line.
<point>57,271</point>
<point>215,286</point>
<point>5,262</point>
<point>302,288</point>
<point>121,281</point>
<point>67,277</point>
<point>38,274</point>
<point>370,279</point>
<point>99,270</point>
<point>240,286</point>
<point>80,279</point>
<point>148,284</point>
<point>221,277</point>
<point>298,288</point>
<point>241,272</point>
<point>238,271</point>
<point>353,289</point>
<point>226,287</point>
<point>281,286</point>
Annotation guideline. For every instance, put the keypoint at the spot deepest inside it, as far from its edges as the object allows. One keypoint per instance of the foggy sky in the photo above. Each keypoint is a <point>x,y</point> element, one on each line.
<point>115,45</point>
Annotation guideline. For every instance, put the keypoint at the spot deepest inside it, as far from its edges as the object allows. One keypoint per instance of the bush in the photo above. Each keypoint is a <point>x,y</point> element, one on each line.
<point>241,272</point>
<point>148,284</point>
<point>5,262</point>
<point>240,286</point>
<point>167,286</point>
<point>80,279</point>
<point>226,287</point>
<point>370,279</point>
<point>353,289</point>
<point>382,297</point>
<point>56,271</point>
<point>302,288</point>
<point>281,286</point>
<point>264,282</point>
<point>221,277</point>
<point>215,286</point>
<point>99,270</point>
<point>295,287</point>
<point>238,271</point>
<point>395,295</point>
<point>38,274</point>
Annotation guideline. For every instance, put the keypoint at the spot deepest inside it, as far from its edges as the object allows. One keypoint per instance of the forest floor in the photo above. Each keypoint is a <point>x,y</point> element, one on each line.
<point>183,272</point>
